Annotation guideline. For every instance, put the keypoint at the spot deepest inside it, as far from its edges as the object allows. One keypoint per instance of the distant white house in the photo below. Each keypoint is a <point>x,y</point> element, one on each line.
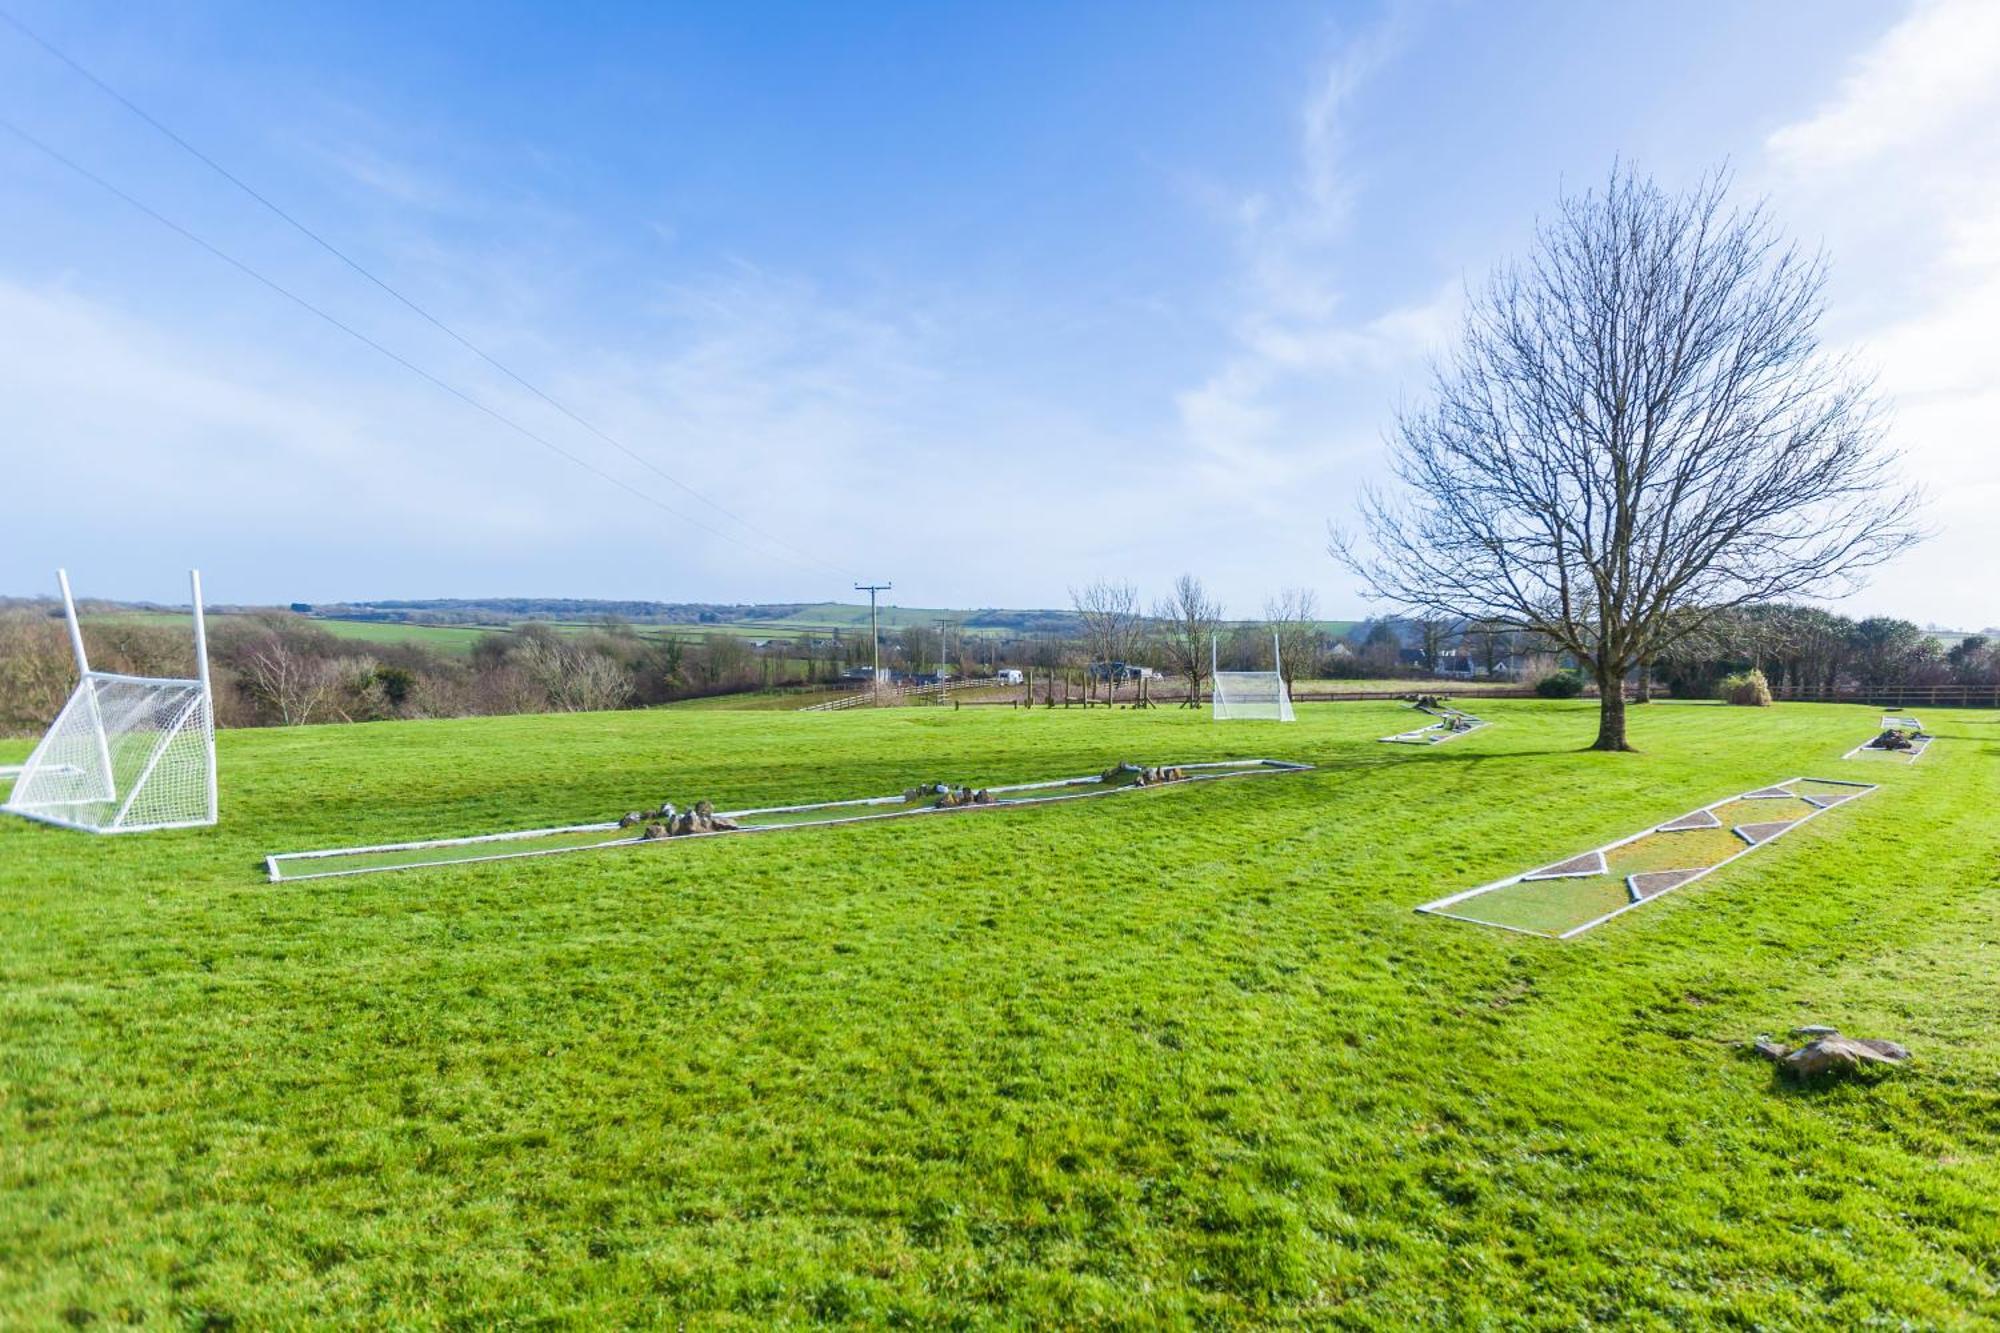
<point>1009,675</point>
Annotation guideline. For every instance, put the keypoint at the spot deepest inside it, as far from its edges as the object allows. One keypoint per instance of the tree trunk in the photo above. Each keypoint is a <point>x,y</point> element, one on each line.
<point>1645,683</point>
<point>1610,713</point>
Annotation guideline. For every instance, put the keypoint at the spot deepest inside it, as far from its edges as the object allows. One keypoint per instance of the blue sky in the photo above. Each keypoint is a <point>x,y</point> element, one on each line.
<point>987,301</point>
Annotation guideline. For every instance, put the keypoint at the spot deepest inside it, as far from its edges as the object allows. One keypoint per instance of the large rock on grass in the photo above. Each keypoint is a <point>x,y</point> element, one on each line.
<point>1833,1055</point>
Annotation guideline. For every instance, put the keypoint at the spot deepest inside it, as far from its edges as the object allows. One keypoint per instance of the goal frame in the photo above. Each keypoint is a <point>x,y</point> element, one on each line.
<point>197,710</point>
<point>1276,674</point>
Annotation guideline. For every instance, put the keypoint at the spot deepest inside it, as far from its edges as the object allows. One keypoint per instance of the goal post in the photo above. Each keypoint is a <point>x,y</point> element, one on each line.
<point>126,754</point>
<point>1238,695</point>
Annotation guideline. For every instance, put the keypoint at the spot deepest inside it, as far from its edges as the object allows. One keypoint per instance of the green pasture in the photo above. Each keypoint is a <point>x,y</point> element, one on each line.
<point>1186,1057</point>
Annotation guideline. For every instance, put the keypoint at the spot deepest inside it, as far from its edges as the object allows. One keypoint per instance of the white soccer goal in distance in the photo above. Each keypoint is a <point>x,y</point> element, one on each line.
<point>1250,694</point>
<point>127,753</point>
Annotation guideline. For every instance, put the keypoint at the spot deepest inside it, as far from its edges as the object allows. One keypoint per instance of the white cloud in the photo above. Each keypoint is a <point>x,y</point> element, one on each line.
<point>1914,85</point>
<point>1281,415</point>
<point>1901,168</point>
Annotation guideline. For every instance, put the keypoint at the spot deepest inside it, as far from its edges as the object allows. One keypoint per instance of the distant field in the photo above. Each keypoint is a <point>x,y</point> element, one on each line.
<point>444,638</point>
<point>1184,1059</point>
<point>820,620</point>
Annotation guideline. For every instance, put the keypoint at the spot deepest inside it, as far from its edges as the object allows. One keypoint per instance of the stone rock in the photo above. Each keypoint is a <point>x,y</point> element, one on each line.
<point>654,831</point>
<point>1888,1050</point>
<point>628,820</point>
<point>1834,1055</point>
<point>1812,1030</point>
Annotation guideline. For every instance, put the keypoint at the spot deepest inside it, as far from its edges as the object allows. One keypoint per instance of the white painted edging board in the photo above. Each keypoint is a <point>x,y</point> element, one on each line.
<point>1437,907</point>
<point>1204,771</point>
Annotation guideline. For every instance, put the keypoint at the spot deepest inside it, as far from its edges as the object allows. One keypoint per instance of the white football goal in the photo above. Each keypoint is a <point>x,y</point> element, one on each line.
<point>127,753</point>
<point>1250,694</point>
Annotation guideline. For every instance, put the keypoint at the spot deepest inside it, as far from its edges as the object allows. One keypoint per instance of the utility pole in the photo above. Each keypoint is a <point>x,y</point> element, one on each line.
<point>875,625</point>
<point>944,645</point>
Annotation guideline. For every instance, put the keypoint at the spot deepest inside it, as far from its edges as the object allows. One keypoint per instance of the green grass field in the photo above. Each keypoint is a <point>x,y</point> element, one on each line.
<point>1183,1057</point>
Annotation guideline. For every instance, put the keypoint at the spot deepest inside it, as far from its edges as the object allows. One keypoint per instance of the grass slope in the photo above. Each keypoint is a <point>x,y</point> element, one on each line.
<point>1183,1057</point>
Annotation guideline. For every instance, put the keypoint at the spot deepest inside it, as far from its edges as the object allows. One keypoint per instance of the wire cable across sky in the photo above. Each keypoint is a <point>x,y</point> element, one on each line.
<point>414,307</point>
<point>58,156</point>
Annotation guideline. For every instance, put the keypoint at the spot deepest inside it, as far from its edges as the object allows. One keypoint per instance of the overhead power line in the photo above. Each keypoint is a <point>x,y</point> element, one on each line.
<point>415,308</point>
<point>359,336</point>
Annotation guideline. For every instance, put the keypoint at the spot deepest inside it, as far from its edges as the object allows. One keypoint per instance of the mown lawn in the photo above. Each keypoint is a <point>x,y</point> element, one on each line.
<point>1183,1057</point>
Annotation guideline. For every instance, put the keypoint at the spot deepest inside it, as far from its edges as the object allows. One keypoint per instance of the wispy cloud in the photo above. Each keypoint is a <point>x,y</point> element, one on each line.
<point>1902,168</point>
<point>1261,421</point>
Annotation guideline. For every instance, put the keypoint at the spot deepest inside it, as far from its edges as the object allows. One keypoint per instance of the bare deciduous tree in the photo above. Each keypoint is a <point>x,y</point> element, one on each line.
<point>1638,432</point>
<point>1491,645</point>
<point>290,683</point>
<point>573,679</point>
<point>1186,625</point>
<point>1293,616</point>
<point>1111,620</point>
<point>1437,636</point>
<point>36,671</point>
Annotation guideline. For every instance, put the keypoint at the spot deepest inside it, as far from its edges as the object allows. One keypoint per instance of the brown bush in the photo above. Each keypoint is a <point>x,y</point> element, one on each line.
<point>1747,689</point>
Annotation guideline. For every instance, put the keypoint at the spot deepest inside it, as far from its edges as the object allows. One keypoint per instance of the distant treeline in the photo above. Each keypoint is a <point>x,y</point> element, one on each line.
<point>276,668</point>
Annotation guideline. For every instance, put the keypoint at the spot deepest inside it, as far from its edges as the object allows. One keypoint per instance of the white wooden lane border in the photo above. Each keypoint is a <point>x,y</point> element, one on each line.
<point>1205,771</point>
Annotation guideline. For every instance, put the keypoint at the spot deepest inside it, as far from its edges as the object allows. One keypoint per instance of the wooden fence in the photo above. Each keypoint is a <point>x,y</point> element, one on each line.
<point>1894,696</point>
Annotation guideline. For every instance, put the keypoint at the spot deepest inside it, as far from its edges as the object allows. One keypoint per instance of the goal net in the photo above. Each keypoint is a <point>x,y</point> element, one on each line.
<point>1250,694</point>
<point>127,753</point>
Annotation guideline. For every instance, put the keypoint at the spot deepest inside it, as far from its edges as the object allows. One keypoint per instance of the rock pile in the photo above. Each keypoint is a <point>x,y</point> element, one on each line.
<point>1829,1054</point>
<point>701,819</point>
<point>1893,739</point>
<point>1144,776</point>
<point>667,822</point>
<point>944,796</point>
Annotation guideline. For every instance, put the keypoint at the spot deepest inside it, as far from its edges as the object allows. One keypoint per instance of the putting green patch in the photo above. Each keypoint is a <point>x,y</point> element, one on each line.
<point>1547,906</point>
<point>1763,811</point>
<point>1567,897</point>
<point>1673,851</point>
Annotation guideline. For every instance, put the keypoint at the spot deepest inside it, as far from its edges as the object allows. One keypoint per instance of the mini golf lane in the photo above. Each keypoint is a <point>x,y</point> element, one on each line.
<point>1565,898</point>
